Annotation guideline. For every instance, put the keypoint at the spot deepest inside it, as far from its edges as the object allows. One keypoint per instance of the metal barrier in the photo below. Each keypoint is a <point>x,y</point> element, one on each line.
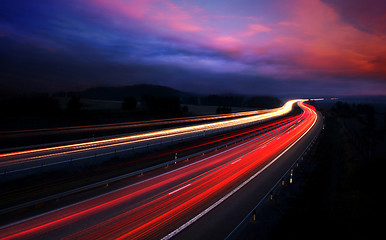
<point>7,171</point>
<point>121,177</point>
<point>269,195</point>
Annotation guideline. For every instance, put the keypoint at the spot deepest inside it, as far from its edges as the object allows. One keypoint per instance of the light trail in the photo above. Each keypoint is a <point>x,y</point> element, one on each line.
<point>155,207</point>
<point>47,137</point>
<point>193,146</point>
<point>149,123</point>
<point>18,157</point>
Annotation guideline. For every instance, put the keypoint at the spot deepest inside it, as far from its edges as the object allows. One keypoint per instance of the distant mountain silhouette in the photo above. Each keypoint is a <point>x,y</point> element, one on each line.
<point>137,91</point>
<point>141,90</point>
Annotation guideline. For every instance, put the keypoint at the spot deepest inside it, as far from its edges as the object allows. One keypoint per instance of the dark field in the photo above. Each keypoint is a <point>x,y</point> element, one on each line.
<point>343,196</point>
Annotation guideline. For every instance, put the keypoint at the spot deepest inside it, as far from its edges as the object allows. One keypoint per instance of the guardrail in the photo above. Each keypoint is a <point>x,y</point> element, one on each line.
<point>269,195</point>
<point>41,164</point>
<point>121,177</point>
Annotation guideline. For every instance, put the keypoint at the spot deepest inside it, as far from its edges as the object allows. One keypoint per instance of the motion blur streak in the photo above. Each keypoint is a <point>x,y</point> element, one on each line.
<point>112,126</point>
<point>64,150</point>
<point>154,207</point>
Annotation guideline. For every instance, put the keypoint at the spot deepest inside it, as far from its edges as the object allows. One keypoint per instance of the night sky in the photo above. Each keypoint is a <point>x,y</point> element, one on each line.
<point>270,47</point>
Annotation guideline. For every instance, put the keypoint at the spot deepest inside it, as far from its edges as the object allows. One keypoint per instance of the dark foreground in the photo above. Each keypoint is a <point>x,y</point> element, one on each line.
<point>343,196</point>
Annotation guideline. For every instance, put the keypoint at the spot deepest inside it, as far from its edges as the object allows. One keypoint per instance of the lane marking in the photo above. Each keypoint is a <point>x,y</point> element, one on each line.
<point>179,189</point>
<point>140,182</point>
<point>191,221</point>
<point>137,183</point>
<point>236,161</point>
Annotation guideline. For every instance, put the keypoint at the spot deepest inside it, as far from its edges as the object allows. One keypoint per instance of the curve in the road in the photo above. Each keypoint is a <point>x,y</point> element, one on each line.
<point>160,205</point>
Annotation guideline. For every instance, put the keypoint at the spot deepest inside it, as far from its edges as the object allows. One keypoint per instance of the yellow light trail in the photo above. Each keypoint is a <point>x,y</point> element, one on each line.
<point>286,108</point>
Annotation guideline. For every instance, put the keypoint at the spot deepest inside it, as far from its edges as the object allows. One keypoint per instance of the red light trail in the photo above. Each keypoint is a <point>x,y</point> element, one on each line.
<point>157,206</point>
<point>33,158</point>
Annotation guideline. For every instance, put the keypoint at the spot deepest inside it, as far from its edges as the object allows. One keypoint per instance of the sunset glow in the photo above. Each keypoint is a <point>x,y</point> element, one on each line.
<point>322,47</point>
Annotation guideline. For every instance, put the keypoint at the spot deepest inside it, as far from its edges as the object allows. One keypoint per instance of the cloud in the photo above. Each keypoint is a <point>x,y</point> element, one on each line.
<point>255,28</point>
<point>368,16</point>
<point>311,36</point>
<point>316,39</point>
<point>227,39</point>
<point>272,41</point>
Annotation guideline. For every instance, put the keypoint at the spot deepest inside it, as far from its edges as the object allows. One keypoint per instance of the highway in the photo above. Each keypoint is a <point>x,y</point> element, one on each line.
<point>126,125</point>
<point>105,148</point>
<point>76,133</point>
<point>168,201</point>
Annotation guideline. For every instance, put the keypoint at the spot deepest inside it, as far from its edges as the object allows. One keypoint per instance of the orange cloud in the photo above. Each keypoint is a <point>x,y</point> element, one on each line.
<point>319,41</point>
<point>310,36</point>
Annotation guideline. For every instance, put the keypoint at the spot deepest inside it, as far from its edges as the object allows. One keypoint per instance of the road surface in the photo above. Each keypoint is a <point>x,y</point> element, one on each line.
<point>104,149</point>
<point>46,136</point>
<point>167,202</point>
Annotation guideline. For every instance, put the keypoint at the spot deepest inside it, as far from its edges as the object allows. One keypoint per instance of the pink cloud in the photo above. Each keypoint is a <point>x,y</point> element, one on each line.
<point>131,8</point>
<point>254,29</point>
<point>185,27</point>
<point>237,17</point>
<point>159,13</point>
<point>227,39</point>
<point>309,36</point>
<point>316,39</point>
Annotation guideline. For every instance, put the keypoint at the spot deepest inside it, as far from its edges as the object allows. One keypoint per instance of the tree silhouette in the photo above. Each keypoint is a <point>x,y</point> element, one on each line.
<point>129,103</point>
<point>74,104</point>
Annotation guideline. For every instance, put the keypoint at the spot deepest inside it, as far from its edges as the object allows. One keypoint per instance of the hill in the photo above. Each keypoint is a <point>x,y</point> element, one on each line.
<point>140,91</point>
<point>137,91</point>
